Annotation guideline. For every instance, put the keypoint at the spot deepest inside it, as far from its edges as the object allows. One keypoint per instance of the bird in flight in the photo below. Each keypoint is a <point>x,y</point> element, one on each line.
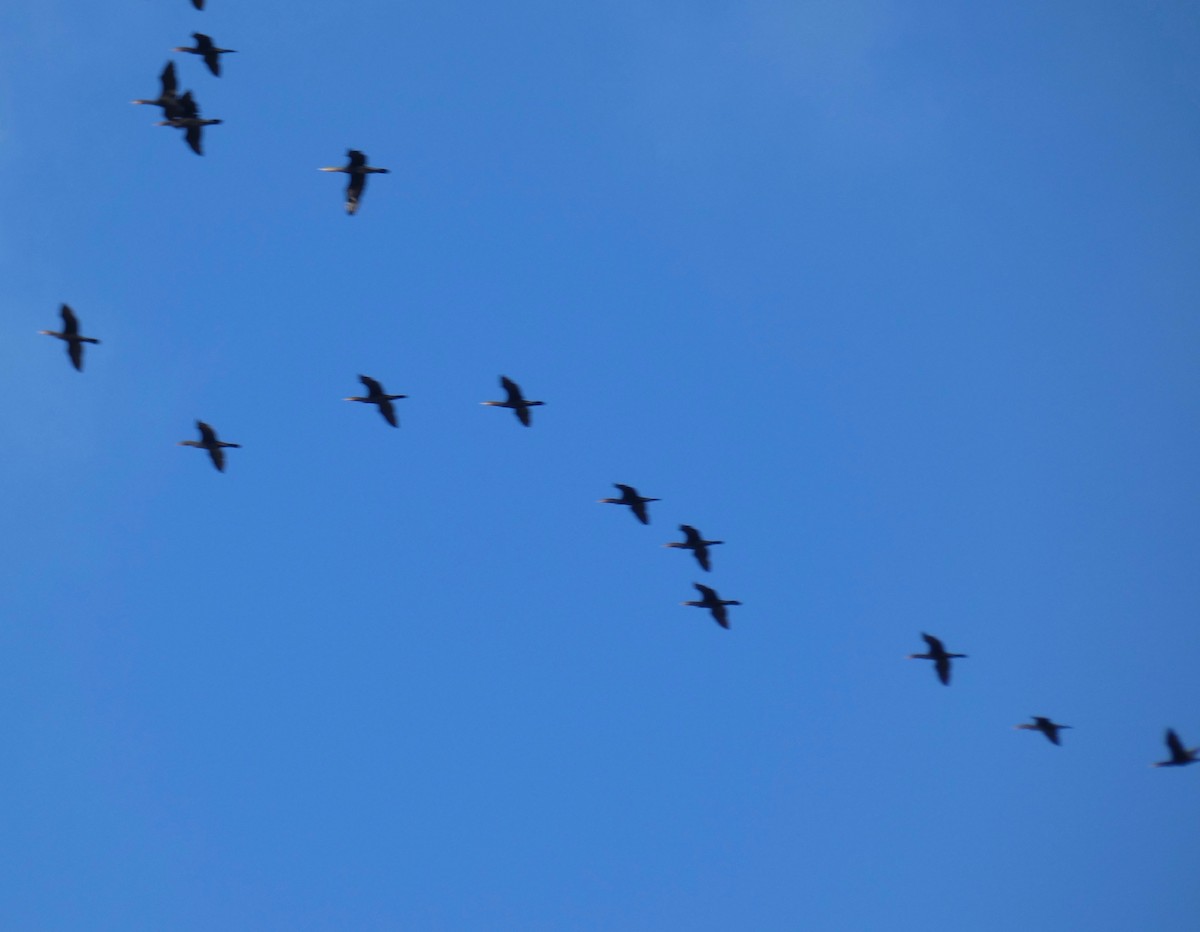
<point>1180,756</point>
<point>189,120</point>
<point>515,400</point>
<point>208,441</point>
<point>695,542</point>
<point>630,497</point>
<point>941,659</point>
<point>377,396</point>
<point>204,47</point>
<point>70,333</point>
<point>714,603</point>
<point>1045,726</point>
<point>168,98</point>
<point>358,169</point>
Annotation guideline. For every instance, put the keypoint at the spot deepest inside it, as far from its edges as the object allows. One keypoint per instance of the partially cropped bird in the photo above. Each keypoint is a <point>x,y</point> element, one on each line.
<point>714,603</point>
<point>168,98</point>
<point>190,122</point>
<point>630,497</point>
<point>1045,726</point>
<point>70,334</point>
<point>377,396</point>
<point>208,441</point>
<point>937,653</point>
<point>695,542</point>
<point>204,47</point>
<point>198,4</point>
<point>358,169</point>
<point>515,400</point>
<point>1180,756</point>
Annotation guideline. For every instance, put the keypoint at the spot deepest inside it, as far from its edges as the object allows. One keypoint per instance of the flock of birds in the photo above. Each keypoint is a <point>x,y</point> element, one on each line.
<point>182,112</point>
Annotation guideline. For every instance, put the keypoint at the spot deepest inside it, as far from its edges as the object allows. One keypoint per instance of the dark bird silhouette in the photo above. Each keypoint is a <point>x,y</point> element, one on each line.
<point>70,333</point>
<point>1180,756</point>
<point>205,48</point>
<point>515,400</point>
<point>198,4</point>
<point>1045,726</point>
<point>358,169</point>
<point>937,653</point>
<point>168,98</point>
<point>377,396</point>
<point>695,542</point>
<point>208,441</point>
<point>190,122</point>
<point>714,603</point>
<point>630,497</point>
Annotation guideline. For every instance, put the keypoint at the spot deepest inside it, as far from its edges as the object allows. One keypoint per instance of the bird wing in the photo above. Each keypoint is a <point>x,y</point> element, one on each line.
<point>513,390</point>
<point>522,415</point>
<point>354,190</point>
<point>942,665</point>
<point>701,553</point>
<point>191,136</point>
<point>168,81</point>
<point>75,351</point>
<point>639,510</point>
<point>217,455</point>
<point>207,434</point>
<point>1175,744</point>
<point>188,108</point>
<point>935,645</point>
<point>70,322</point>
<point>720,613</point>
<point>213,60</point>
<point>709,594</point>
<point>1051,732</point>
<point>388,411</point>
<point>691,535</point>
<point>357,159</point>
<point>372,386</point>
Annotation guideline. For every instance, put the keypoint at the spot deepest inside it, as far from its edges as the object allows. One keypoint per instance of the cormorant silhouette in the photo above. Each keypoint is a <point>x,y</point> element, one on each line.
<point>358,169</point>
<point>1045,726</point>
<point>70,334</point>
<point>696,543</point>
<point>377,396</point>
<point>208,441</point>
<point>190,122</point>
<point>1180,756</point>
<point>204,47</point>
<point>937,653</point>
<point>630,497</point>
<point>515,400</point>
<point>714,603</point>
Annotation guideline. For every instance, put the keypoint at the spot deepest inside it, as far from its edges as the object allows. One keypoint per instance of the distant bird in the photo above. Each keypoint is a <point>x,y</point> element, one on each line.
<point>204,47</point>
<point>937,653</point>
<point>198,4</point>
<point>70,333</point>
<point>208,441</point>
<point>1045,726</point>
<point>167,98</point>
<point>190,122</point>
<point>696,543</point>
<point>376,396</point>
<point>630,497</point>
<point>714,603</point>
<point>515,400</point>
<point>1180,756</point>
<point>358,169</point>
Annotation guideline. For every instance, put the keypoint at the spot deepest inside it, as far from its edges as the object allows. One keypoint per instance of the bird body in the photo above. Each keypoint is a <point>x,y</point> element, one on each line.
<point>358,169</point>
<point>937,653</point>
<point>1180,756</point>
<point>695,542</point>
<point>1045,726</point>
<point>190,122</point>
<point>515,400</point>
<point>205,49</point>
<point>70,334</point>
<point>377,396</point>
<point>630,497</point>
<point>208,441</point>
<point>714,603</point>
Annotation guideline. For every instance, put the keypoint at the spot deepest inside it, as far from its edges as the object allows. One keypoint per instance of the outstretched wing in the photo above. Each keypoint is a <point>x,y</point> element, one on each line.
<point>191,135</point>
<point>372,386</point>
<point>213,60</point>
<point>354,190</point>
<point>639,510</point>
<point>75,351</point>
<point>720,613</point>
<point>523,415</point>
<point>942,665</point>
<point>701,553</point>
<point>70,323</point>
<point>1175,744</point>
<point>207,434</point>
<point>709,595</point>
<point>217,455</point>
<point>388,411</point>
<point>935,645</point>
<point>168,81</point>
<point>513,390</point>
<point>357,159</point>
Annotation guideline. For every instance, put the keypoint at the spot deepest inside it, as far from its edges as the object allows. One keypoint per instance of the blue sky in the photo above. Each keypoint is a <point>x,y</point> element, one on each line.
<point>896,299</point>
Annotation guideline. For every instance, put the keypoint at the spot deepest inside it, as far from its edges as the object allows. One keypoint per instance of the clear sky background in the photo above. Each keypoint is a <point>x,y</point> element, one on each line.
<point>898,299</point>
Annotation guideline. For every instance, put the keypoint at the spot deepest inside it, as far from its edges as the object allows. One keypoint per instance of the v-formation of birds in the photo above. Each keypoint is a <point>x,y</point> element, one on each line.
<point>183,112</point>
